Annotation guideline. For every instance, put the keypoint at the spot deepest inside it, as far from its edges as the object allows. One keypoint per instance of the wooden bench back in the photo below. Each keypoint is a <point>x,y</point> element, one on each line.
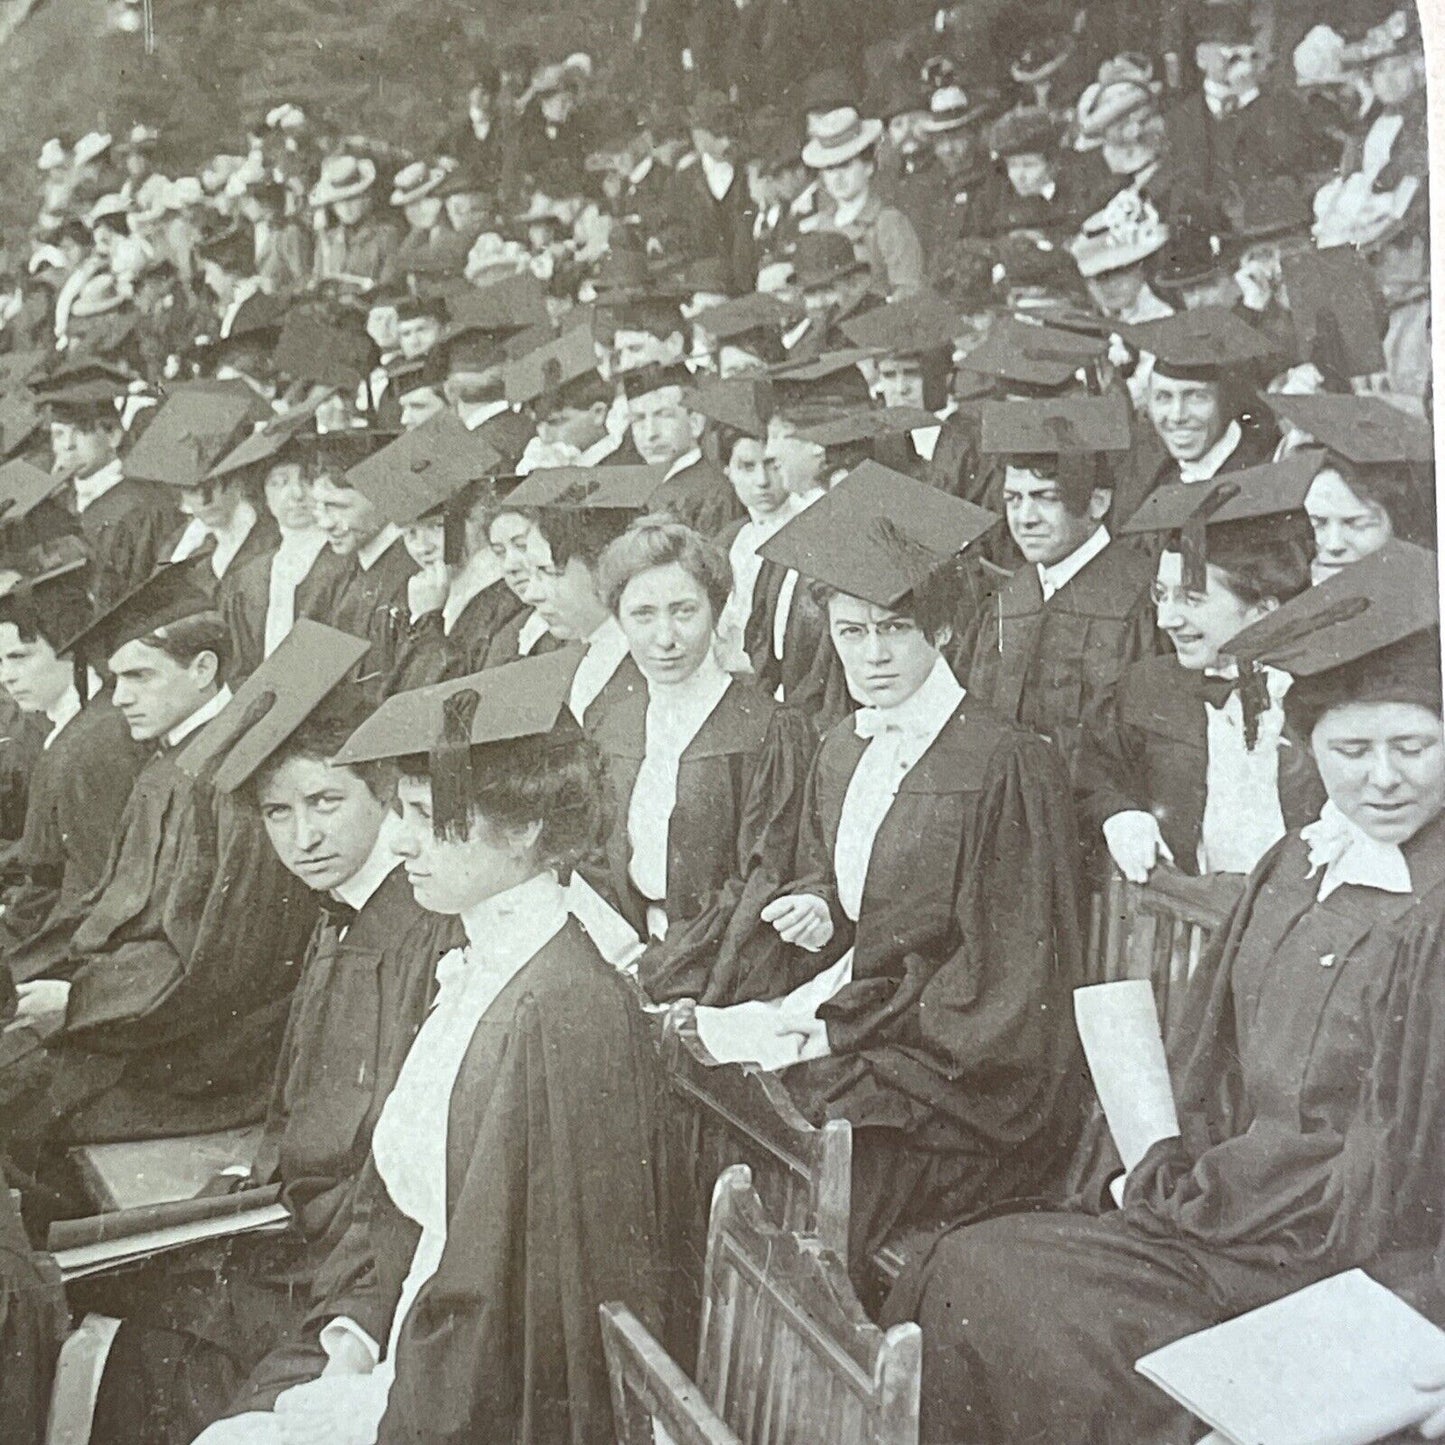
<point>786,1354</point>
<point>738,1114</point>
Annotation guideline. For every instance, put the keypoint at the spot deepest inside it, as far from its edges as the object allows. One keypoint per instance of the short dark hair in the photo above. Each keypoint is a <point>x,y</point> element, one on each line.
<point>1076,487</point>
<point>319,739</point>
<point>186,640</point>
<point>576,532</point>
<point>1407,671</point>
<point>1262,560</point>
<point>63,613</point>
<point>555,780</point>
<point>1406,495</point>
<point>657,541</point>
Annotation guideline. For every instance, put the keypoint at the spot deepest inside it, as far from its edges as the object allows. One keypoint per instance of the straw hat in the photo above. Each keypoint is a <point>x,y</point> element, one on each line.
<point>417,181</point>
<point>839,136</point>
<point>343,178</point>
<point>91,145</point>
<point>1123,233</point>
<point>949,108</point>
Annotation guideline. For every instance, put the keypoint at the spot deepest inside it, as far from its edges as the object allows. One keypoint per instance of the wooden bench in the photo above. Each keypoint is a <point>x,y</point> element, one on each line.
<point>740,1114</point>
<point>786,1355</point>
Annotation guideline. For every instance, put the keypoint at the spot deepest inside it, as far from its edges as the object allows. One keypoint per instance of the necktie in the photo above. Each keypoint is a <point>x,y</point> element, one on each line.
<point>1217,691</point>
<point>339,916</point>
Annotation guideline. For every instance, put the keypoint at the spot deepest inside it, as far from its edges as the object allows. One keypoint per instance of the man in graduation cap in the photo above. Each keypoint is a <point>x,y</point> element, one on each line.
<point>123,523</point>
<point>1056,636</point>
<point>363,988</point>
<point>166,1012</point>
<point>667,434</point>
<point>1190,763</point>
<point>914,976</point>
<point>80,783</point>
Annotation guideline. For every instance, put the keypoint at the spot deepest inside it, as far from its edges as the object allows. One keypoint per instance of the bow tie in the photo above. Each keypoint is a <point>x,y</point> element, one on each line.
<point>338,915</point>
<point>872,722</point>
<point>1217,691</point>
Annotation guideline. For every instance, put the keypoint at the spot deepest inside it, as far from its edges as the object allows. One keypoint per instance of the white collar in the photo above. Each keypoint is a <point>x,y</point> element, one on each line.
<point>370,554</point>
<point>298,543</point>
<point>694,697</point>
<point>1146,306</point>
<point>641,170</point>
<point>199,718</point>
<point>530,633</point>
<point>1349,855</point>
<point>602,656</point>
<point>761,528</point>
<point>1060,574</point>
<point>230,541</point>
<point>470,581</point>
<point>89,490</point>
<point>1218,98</point>
<point>509,928</point>
<point>380,862</point>
<point>802,204</point>
<point>683,462</point>
<point>66,709</point>
<point>481,412</point>
<point>1049,191</point>
<point>718,175</point>
<point>922,714</point>
<point>1209,464</point>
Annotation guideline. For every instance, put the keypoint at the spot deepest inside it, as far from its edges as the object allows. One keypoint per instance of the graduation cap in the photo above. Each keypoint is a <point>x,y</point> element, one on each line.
<point>865,424</point>
<point>878,535</point>
<point>757,312</point>
<point>1077,430</point>
<point>56,599</point>
<point>1364,430</point>
<point>269,442</point>
<point>19,421</point>
<point>316,348</point>
<point>643,380</point>
<point>190,433</point>
<point>590,489</point>
<point>744,403</point>
<point>510,304</point>
<point>426,470</point>
<point>23,487</point>
<point>82,390</point>
<point>1200,345</point>
<point>1338,310</point>
<point>272,703</point>
<point>912,325</point>
<point>1259,496</point>
<point>1383,600</point>
<point>1025,354</point>
<point>549,367</point>
<point>830,381</point>
<point>170,594</point>
<point>17,367</point>
<point>260,316</point>
<point>410,374</point>
<point>462,727</point>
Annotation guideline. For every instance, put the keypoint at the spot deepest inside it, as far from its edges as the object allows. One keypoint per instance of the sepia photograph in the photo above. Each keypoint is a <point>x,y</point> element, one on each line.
<point>720,723</point>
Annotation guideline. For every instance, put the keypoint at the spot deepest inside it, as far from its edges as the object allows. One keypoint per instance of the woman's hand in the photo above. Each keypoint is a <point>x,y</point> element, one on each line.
<point>1432,1427</point>
<point>1135,844</point>
<point>802,919</point>
<point>426,591</point>
<point>41,1004</point>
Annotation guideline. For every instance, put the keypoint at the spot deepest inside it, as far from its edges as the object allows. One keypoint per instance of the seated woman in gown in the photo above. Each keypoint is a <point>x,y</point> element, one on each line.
<point>929,935</point>
<point>1309,1074</point>
<point>517,1177</point>
<point>706,769</point>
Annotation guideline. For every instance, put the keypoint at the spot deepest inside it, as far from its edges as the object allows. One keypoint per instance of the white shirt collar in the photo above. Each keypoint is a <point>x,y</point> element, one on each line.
<point>199,718</point>
<point>89,490</point>
<point>1206,466</point>
<point>846,215</point>
<point>470,581</point>
<point>641,170</point>
<point>1348,854</point>
<point>925,712</point>
<point>718,175</point>
<point>683,462</point>
<point>64,711</point>
<point>605,650</point>
<point>478,413</point>
<point>693,697</point>
<point>530,633</point>
<point>1060,574</point>
<point>506,931</point>
<point>357,889</point>
<point>760,529</point>
<point>370,554</point>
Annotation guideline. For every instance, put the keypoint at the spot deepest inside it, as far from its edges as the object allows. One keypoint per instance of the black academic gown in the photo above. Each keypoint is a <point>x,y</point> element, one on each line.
<point>1148,749</point>
<point>1047,665</point>
<point>560,1184</point>
<point>428,654</point>
<point>181,967</point>
<point>953,1049</point>
<point>244,599</point>
<point>125,532</point>
<point>370,603</point>
<point>1309,1077</point>
<point>33,1325</point>
<point>21,736</point>
<point>78,792</point>
<point>700,496</point>
<point>506,646</point>
<point>730,839</point>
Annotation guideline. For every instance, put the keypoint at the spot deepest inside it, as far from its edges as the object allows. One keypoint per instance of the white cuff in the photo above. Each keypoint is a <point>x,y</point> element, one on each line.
<point>341,1328</point>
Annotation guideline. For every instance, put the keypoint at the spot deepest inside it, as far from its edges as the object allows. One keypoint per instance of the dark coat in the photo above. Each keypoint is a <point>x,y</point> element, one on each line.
<point>371,603</point>
<point>1047,665</point>
<point>427,654</point>
<point>1147,749</point>
<point>125,534</point>
<point>700,496</point>
<point>731,837</point>
<point>78,793</point>
<point>33,1324</point>
<point>1308,1074</point>
<point>700,226</point>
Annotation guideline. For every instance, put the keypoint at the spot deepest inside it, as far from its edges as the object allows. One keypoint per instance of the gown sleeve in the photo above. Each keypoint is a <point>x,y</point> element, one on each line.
<point>985,1034</point>
<point>1335,1196</point>
<point>557,1211</point>
<point>701,958</point>
<point>1110,762</point>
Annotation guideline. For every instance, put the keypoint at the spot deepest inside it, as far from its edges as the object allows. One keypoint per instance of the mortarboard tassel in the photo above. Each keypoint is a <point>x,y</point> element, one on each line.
<point>917,562</point>
<point>1193,547</point>
<point>451,767</point>
<point>1253,700</point>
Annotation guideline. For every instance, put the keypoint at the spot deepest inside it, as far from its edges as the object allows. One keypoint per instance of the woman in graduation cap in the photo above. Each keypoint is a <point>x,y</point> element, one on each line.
<point>517,1177</point>
<point>913,975</point>
<point>706,769</point>
<point>1308,1071</point>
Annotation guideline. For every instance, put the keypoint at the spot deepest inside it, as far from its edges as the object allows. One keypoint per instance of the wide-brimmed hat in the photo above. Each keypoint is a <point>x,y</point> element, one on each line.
<point>100,294</point>
<point>1121,234</point>
<point>1105,104</point>
<point>1042,58</point>
<point>342,179</point>
<point>951,108</point>
<point>417,181</point>
<point>91,145</point>
<point>107,206</point>
<point>285,117</point>
<point>1024,132</point>
<point>840,136</point>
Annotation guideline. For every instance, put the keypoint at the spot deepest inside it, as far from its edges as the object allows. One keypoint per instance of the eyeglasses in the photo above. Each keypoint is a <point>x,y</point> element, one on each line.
<point>1161,595</point>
